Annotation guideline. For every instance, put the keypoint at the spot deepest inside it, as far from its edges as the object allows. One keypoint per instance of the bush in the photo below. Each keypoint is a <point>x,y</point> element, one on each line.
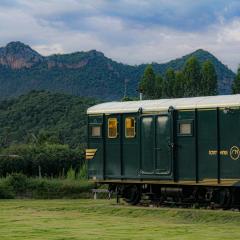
<point>83,172</point>
<point>19,186</point>
<point>48,160</point>
<point>58,188</point>
<point>71,175</point>
<point>6,191</point>
<point>18,182</point>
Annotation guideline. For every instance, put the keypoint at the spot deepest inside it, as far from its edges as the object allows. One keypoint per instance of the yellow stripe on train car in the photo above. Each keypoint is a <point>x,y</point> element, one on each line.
<point>90,153</point>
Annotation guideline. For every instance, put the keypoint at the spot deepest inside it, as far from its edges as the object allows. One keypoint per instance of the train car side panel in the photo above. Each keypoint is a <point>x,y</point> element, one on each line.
<point>229,143</point>
<point>186,152</point>
<point>207,144</point>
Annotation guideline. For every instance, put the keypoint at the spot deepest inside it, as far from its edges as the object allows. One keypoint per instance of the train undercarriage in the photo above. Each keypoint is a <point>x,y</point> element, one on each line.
<point>178,195</point>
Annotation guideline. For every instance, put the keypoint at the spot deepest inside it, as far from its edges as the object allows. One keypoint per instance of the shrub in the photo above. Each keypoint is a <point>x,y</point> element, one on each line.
<point>6,191</point>
<point>18,185</point>
<point>83,172</point>
<point>71,174</point>
<point>48,160</point>
<point>58,188</point>
<point>18,182</point>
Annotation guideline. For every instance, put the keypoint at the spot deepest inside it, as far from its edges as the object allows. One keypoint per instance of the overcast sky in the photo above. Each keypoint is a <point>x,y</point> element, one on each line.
<point>129,31</point>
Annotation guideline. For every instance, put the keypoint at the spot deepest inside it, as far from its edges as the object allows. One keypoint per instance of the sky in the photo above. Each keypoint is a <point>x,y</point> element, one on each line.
<point>128,31</point>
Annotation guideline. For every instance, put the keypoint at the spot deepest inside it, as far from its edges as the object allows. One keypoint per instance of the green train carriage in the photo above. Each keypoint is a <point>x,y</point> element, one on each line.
<point>185,150</point>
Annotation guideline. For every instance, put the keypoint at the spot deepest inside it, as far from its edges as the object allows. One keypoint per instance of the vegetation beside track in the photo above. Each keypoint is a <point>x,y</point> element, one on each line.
<point>19,186</point>
<point>103,219</point>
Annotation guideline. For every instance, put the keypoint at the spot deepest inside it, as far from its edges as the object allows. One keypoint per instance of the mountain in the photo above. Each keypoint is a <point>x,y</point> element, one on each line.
<point>41,115</point>
<point>225,75</point>
<point>84,73</point>
<point>17,55</point>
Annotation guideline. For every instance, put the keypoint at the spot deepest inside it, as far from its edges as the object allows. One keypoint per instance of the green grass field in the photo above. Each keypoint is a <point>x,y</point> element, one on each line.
<point>103,219</point>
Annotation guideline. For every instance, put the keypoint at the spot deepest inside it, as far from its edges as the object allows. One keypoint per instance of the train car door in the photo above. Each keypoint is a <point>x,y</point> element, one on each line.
<point>156,155</point>
<point>147,146</point>
<point>163,147</point>
<point>186,145</point>
<point>113,146</point>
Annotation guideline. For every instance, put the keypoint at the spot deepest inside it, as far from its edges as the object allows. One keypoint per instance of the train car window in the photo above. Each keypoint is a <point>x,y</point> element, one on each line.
<point>185,128</point>
<point>130,127</point>
<point>112,128</point>
<point>96,131</point>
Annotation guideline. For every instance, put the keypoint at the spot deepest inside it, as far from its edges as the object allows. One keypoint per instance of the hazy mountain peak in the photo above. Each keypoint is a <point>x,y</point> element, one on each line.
<point>18,46</point>
<point>202,51</point>
<point>17,55</point>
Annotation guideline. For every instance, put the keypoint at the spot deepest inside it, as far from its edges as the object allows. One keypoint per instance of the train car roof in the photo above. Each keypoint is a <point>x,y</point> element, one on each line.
<point>164,104</point>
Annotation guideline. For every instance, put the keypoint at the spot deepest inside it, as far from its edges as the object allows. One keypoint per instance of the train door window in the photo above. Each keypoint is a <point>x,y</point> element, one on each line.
<point>130,127</point>
<point>95,131</point>
<point>185,128</point>
<point>112,128</point>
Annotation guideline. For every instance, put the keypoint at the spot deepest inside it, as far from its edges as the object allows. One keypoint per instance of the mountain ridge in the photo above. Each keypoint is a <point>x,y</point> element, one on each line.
<point>82,73</point>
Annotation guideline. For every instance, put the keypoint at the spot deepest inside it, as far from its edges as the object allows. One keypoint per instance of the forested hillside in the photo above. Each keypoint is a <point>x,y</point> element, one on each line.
<point>42,116</point>
<point>225,75</point>
<point>85,73</point>
<point>193,80</point>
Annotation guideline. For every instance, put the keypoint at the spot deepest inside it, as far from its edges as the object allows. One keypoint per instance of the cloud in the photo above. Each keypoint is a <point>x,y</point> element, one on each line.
<point>132,32</point>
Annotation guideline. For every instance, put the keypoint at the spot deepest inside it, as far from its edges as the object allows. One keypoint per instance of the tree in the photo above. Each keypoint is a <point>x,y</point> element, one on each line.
<point>147,83</point>
<point>180,85</point>
<point>236,82</point>
<point>192,75</point>
<point>209,79</point>
<point>168,83</point>
<point>158,86</point>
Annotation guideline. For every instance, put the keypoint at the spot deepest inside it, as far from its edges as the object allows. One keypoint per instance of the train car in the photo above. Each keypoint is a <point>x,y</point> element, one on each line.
<point>185,150</point>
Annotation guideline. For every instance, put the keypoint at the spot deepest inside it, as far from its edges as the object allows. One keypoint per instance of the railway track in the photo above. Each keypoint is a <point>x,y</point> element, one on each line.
<point>171,204</point>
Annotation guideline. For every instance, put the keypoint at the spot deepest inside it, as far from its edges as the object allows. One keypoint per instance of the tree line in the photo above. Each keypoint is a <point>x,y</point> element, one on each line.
<point>194,79</point>
<point>43,133</point>
<point>236,83</point>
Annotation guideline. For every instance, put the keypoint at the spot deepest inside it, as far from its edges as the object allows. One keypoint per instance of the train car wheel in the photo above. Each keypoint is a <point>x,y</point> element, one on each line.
<point>223,197</point>
<point>132,194</point>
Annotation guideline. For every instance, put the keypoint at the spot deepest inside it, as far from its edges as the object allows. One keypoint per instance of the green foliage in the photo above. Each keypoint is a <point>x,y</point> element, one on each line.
<point>40,117</point>
<point>224,75</point>
<point>18,185</point>
<point>193,80</point>
<point>6,191</point>
<point>58,188</point>
<point>192,75</point>
<point>81,74</point>
<point>179,85</point>
<point>71,174</point>
<point>43,134</point>
<point>236,83</point>
<point>147,83</point>
<point>83,172</point>
<point>50,160</point>
<point>209,79</point>
<point>168,83</point>
<point>158,86</point>
<point>18,182</point>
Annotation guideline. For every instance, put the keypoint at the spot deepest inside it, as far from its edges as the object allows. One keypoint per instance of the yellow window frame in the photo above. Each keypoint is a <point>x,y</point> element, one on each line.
<point>130,127</point>
<point>112,128</point>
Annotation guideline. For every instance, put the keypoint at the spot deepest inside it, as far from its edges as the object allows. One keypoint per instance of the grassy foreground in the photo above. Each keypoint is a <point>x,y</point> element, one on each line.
<point>103,219</point>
